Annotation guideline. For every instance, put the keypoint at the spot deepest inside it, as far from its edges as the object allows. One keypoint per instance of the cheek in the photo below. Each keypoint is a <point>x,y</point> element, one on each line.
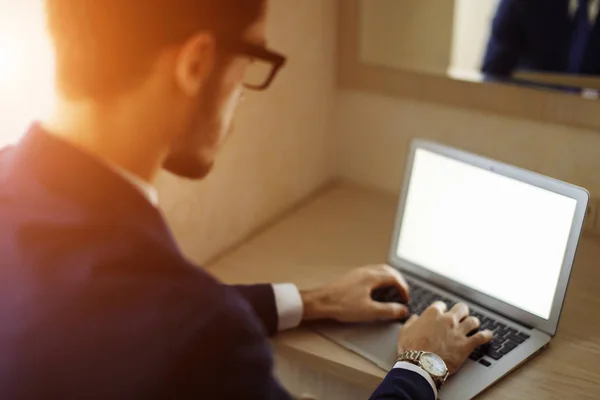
<point>228,110</point>
<point>232,94</point>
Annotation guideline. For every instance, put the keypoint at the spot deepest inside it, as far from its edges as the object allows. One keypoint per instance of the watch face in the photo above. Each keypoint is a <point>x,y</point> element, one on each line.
<point>433,365</point>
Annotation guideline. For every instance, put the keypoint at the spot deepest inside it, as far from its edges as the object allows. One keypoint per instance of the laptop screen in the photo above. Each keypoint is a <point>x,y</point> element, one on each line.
<point>502,237</point>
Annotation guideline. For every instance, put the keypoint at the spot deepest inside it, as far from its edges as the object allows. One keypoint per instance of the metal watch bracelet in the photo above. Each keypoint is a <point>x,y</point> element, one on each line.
<point>414,357</point>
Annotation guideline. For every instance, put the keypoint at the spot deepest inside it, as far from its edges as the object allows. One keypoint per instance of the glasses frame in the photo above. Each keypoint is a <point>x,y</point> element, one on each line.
<point>255,51</point>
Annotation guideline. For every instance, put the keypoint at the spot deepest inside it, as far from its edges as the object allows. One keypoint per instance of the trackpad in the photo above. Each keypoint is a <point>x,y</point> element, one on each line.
<point>377,343</point>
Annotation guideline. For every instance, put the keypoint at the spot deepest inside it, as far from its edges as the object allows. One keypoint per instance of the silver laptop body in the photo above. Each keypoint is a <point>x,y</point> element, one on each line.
<point>499,238</point>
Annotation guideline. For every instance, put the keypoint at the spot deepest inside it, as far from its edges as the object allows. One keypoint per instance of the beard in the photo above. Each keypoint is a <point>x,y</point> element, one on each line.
<point>186,158</point>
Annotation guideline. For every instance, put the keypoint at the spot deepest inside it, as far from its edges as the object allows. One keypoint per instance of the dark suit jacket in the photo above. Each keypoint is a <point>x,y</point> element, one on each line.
<point>536,35</point>
<point>97,301</point>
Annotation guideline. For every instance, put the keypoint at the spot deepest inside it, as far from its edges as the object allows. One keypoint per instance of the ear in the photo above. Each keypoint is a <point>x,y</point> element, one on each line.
<point>195,62</point>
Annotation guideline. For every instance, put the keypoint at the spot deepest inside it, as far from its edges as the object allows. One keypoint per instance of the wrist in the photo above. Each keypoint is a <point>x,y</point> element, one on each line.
<point>418,370</point>
<point>315,305</point>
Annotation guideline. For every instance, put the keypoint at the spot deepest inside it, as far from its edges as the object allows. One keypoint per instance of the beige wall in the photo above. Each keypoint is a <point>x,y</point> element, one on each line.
<point>407,34</point>
<point>281,149</point>
<point>374,132</point>
<point>472,27</point>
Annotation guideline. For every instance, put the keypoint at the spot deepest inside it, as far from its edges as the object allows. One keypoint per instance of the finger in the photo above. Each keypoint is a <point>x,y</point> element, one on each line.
<point>387,276</point>
<point>469,325</point>
<point>389,311</point>
<point>460,311</point>
<point>438,307</point>
<point>413,318</point>
<point>481,338</point>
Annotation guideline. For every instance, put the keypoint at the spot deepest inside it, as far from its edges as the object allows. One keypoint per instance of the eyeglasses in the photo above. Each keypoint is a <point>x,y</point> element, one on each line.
<point>265,66</point>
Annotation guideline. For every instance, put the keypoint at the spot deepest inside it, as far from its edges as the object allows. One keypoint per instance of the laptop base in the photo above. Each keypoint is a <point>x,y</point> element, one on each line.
<point>377,343</point>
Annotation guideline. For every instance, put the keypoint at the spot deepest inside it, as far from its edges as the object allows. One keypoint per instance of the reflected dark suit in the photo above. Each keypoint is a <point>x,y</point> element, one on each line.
<point>537,35</point>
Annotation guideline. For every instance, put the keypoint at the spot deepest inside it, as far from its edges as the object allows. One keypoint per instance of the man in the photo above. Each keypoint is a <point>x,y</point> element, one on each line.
<point>96,301</point>
<point>559,36</point>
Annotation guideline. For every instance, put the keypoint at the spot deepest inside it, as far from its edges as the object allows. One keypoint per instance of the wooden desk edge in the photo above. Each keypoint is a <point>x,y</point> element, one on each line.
<point>285,346</point>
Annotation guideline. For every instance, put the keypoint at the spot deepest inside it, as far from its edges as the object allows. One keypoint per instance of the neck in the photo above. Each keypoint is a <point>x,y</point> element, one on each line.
<point>110,134</point>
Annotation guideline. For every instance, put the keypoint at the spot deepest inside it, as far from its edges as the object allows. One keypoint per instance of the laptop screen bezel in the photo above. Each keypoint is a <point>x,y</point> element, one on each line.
<point>581,196</point>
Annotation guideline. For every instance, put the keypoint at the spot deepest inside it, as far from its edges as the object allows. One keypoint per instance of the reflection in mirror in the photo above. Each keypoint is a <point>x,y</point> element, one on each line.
<point>553,44</point>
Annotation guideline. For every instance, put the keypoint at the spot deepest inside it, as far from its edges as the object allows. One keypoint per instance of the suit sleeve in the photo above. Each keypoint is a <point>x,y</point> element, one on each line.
<point>401,384</point>
<point>506,42</point>
<point>236,354</point>
<point>262,300</point>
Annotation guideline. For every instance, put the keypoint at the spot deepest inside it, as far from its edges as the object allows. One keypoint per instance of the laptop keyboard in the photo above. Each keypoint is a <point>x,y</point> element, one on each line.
<point>506,338</point>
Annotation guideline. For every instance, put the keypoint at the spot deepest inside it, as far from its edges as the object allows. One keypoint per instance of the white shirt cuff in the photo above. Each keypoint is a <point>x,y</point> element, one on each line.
<point>420,371</point>
<point>289,306</point>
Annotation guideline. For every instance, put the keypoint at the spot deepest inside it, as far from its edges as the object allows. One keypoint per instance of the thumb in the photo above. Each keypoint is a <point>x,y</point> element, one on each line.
<point>389,311</point>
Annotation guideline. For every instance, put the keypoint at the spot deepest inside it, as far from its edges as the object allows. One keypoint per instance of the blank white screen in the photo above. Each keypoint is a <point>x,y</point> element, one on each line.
<point>494,234</point>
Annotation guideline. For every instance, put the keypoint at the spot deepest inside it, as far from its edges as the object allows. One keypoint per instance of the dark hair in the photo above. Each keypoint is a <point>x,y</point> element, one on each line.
<point>104,47</point>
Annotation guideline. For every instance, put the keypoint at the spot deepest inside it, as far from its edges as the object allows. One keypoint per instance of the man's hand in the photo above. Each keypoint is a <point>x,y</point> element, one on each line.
<point>349,299</point>
<point>443,333</point>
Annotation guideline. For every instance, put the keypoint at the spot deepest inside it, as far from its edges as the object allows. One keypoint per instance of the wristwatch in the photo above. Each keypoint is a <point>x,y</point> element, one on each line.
<point>430,363</point>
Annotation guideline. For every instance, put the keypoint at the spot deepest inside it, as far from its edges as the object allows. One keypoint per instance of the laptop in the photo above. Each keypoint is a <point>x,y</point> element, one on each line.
<point>478,231</point>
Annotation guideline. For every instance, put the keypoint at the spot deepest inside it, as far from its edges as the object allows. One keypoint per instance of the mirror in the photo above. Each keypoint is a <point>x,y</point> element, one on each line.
<point>548,44</point>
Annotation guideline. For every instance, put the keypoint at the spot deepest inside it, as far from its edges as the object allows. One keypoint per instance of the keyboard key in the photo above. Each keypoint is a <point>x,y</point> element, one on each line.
<point>494,354</point>
<point>475,356</point>
<point>502,332</point>
<point>507,348</point>
<point>431,297</point>
<point>515,338</point>
<point>488,325</point>
<point>510,345</point>
<point>523,335</point>
<point>502,326</point>
<point>485,363</point>
<point>495,346</point>
<point>498,340</point>
<point>513,331</point>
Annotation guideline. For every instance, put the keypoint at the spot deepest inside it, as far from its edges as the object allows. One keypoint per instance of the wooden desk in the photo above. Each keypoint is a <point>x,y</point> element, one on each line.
<point>348,226</point>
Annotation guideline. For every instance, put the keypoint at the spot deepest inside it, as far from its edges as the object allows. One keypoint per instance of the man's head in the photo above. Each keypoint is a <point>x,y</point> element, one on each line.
<point>184,63</point>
